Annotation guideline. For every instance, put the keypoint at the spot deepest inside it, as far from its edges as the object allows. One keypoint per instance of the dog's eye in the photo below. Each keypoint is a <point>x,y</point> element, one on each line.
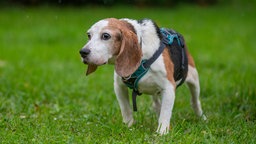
<point>105,36</point>
<point>89,36</point>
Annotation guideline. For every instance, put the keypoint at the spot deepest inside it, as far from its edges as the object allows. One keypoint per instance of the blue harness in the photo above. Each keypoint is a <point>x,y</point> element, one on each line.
<point>168,38</point>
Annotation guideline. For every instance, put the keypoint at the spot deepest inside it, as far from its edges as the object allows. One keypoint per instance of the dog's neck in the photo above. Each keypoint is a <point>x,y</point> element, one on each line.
<point>147,34</point>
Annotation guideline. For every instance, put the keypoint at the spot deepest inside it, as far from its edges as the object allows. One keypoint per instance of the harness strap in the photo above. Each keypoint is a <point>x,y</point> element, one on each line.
<point>134,96</point>
<point>183,67</point>
<point>158,52</point>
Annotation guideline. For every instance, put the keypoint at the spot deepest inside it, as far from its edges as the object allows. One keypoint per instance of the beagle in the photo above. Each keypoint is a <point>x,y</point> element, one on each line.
<point>126,43</point>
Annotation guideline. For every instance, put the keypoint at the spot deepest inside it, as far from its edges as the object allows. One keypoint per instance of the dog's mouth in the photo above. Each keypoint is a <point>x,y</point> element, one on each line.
<point>84,60</point>
<point>92,66</point>
<point>96,63</point>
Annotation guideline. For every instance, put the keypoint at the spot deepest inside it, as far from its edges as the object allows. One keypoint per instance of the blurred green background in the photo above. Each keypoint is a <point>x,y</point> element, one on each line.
<point>45,96</point>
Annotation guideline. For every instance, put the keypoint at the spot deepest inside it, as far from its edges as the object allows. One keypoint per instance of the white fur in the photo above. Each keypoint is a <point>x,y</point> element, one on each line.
<point>147,36</point>
<point>192,81</point>
<point>100,50</point>
<point>155,82</point>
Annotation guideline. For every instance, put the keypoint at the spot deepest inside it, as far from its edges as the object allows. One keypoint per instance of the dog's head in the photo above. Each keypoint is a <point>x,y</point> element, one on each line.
<point>112,40</point>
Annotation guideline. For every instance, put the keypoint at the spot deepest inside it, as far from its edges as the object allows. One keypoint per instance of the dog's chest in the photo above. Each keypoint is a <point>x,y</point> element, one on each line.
<point>148,85</point>
<point>154,81</point>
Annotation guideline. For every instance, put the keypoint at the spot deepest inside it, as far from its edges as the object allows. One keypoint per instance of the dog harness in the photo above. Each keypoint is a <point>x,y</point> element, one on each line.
<point>174,42</point>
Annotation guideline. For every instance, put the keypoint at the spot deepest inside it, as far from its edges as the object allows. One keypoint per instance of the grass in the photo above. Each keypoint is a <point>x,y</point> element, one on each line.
<point>46,98</point>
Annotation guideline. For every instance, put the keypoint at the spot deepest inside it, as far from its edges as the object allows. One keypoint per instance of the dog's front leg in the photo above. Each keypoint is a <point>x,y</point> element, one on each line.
<point>122,95</point>
<point>168,97</point>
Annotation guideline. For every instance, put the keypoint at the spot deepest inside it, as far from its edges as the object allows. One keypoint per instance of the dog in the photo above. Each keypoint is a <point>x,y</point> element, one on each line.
<point>125,43</point>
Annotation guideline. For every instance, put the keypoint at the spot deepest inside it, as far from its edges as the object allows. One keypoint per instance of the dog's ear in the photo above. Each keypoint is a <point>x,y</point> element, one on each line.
<point>90,69</point>
<point>129,56</point>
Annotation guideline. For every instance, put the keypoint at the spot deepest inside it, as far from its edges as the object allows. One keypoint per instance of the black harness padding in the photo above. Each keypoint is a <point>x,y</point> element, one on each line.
<point>179,57</point>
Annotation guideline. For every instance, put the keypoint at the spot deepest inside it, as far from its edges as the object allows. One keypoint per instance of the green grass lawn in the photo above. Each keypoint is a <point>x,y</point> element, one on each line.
<point>45,96</point>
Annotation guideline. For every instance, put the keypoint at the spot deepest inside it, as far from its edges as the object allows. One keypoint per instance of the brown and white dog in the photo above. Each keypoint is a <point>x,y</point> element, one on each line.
<point>124,43</point>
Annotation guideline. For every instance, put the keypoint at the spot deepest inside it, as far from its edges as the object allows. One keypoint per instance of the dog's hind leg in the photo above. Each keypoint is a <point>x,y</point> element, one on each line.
<point>192,81</point>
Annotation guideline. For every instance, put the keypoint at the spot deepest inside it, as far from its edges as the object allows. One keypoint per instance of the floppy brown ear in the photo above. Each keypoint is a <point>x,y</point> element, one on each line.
<point>129,56</point>
<point>90,69</point>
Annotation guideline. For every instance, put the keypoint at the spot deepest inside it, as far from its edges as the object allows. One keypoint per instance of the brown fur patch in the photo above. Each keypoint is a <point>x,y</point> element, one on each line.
<point>190,58</point>
<point>121,24</point>
<point>169,66</point>
<point>116,39</point>
<point>129,54</point>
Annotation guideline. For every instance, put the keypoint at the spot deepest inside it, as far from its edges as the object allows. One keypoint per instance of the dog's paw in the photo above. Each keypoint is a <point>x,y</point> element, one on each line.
<point>130,122</point>
<point>163,129</point>
<point>203,117</point>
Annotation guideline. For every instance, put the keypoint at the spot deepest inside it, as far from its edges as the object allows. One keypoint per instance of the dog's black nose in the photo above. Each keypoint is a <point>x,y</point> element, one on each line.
<point>84,52</point>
